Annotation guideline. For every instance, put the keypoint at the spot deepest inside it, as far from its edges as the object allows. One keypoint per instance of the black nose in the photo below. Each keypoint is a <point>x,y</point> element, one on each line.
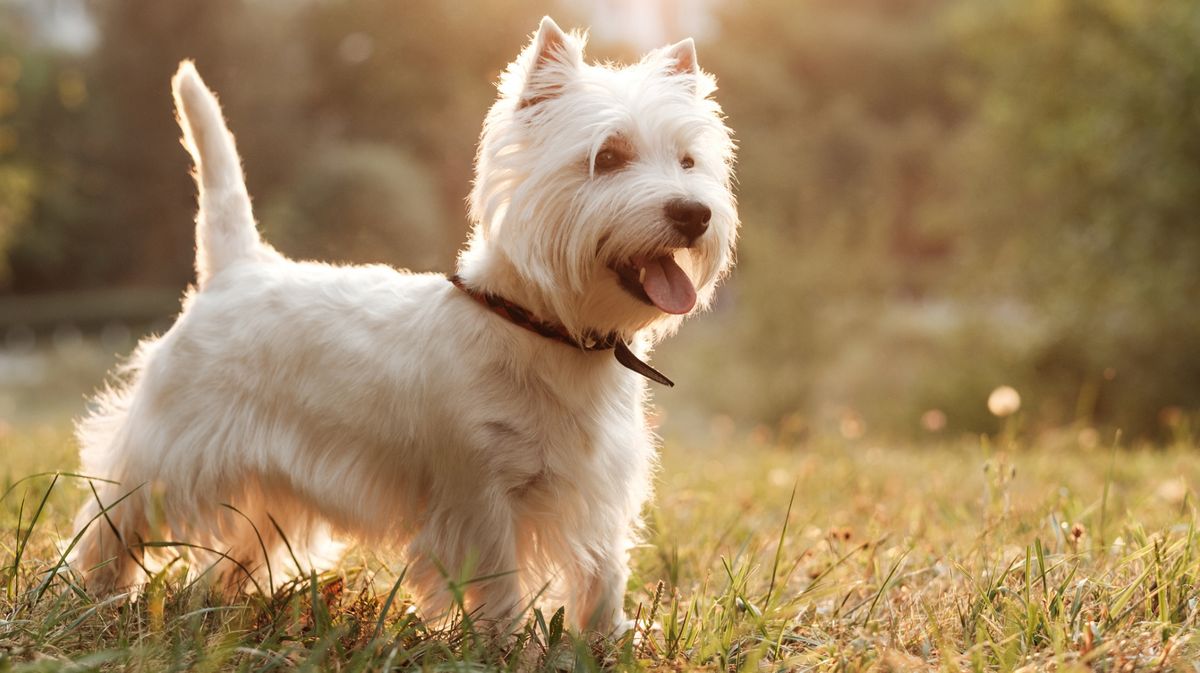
<point>689,218</point>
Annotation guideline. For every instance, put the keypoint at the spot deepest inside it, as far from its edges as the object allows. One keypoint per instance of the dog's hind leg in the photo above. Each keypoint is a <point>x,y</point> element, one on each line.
<point>114,525</point>
<point>114,520</point>
<point>264,538</point>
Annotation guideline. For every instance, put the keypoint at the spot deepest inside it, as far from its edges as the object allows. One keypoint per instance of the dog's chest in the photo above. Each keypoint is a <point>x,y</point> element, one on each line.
<point>546,444</point>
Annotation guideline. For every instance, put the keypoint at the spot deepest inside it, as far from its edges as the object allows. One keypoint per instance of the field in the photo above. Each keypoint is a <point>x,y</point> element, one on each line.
<point>974,554</point>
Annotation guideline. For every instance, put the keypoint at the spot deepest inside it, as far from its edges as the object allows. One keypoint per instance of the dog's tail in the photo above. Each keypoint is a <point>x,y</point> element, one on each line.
<point>225,228</point>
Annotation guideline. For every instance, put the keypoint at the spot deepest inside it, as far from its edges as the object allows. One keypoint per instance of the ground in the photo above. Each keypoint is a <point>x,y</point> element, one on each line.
<point>979,554</point>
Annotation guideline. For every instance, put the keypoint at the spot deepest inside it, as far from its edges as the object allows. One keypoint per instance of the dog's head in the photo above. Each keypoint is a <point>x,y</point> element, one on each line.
<point>606,190</point>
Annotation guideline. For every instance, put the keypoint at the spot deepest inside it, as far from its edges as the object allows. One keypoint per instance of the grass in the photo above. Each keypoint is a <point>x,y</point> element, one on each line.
<point>833,555</point>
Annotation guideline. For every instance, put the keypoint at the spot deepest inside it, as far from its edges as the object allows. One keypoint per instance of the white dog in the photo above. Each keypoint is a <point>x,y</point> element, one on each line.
<point>480,422</point>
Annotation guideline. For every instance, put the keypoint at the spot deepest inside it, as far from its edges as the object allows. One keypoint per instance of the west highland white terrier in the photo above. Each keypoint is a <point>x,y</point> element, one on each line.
<point>480,422</point>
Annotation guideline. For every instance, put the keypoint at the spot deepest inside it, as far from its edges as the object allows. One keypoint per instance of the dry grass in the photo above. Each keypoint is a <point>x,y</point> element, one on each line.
<point>828,556</point>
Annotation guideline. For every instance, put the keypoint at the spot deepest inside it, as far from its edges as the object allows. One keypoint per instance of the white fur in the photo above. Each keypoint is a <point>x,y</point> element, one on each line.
<point>393,408</point>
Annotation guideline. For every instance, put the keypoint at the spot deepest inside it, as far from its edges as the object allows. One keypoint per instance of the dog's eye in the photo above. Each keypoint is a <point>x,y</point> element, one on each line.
<point>687,163</point>
<point>608,160</point>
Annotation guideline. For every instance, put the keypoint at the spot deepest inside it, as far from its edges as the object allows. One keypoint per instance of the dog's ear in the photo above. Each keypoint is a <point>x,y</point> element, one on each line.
<point>683,55</point>
<point>550,61</point>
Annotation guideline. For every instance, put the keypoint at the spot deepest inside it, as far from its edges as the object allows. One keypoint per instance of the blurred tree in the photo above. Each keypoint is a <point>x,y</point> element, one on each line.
<point>1080,191</point>
<point>32,129</point>
<point>362,204</point>
<point>16,176</point>
<point>116,202</point>
<point>931,212</point>
<point>16,192</point>
<point>840,109</point>
<point>145,173</point>
<point>417,75</point>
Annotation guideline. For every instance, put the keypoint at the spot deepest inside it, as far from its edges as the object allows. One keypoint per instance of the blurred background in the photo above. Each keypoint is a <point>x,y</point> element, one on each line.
<point>938,197</point>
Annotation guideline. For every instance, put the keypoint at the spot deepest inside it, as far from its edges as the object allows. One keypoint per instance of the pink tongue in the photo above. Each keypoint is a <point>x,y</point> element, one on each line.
<point>668,286</point>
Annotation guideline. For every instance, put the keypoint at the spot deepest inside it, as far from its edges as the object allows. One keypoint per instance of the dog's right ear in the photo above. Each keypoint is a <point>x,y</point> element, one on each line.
<point>550,61</point>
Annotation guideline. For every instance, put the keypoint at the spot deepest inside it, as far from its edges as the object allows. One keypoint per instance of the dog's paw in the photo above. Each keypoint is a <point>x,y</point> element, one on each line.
<point>638,630</point>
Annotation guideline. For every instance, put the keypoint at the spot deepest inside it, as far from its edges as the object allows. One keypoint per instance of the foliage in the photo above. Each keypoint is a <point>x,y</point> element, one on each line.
<point>16,188</point>
<point>931,212</point>
<point>1097,164</point>
<point>357,203</point>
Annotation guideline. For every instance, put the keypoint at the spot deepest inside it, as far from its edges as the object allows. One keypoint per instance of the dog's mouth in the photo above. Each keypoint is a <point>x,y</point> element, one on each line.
<point>659,281</point>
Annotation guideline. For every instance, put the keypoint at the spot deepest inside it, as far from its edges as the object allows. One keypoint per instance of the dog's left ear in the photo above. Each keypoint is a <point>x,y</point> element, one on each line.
<point>683,53</point>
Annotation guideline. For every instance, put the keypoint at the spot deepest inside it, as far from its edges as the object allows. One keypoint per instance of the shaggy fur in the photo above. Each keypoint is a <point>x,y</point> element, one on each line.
<point>389,406</point>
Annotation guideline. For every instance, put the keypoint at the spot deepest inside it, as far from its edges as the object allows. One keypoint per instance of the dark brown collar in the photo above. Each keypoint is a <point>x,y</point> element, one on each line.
<point>517,315</point>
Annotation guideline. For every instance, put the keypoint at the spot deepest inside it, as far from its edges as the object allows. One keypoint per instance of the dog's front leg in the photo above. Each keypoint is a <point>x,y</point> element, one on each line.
<point>474,544</point>
<point>599,601</point>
